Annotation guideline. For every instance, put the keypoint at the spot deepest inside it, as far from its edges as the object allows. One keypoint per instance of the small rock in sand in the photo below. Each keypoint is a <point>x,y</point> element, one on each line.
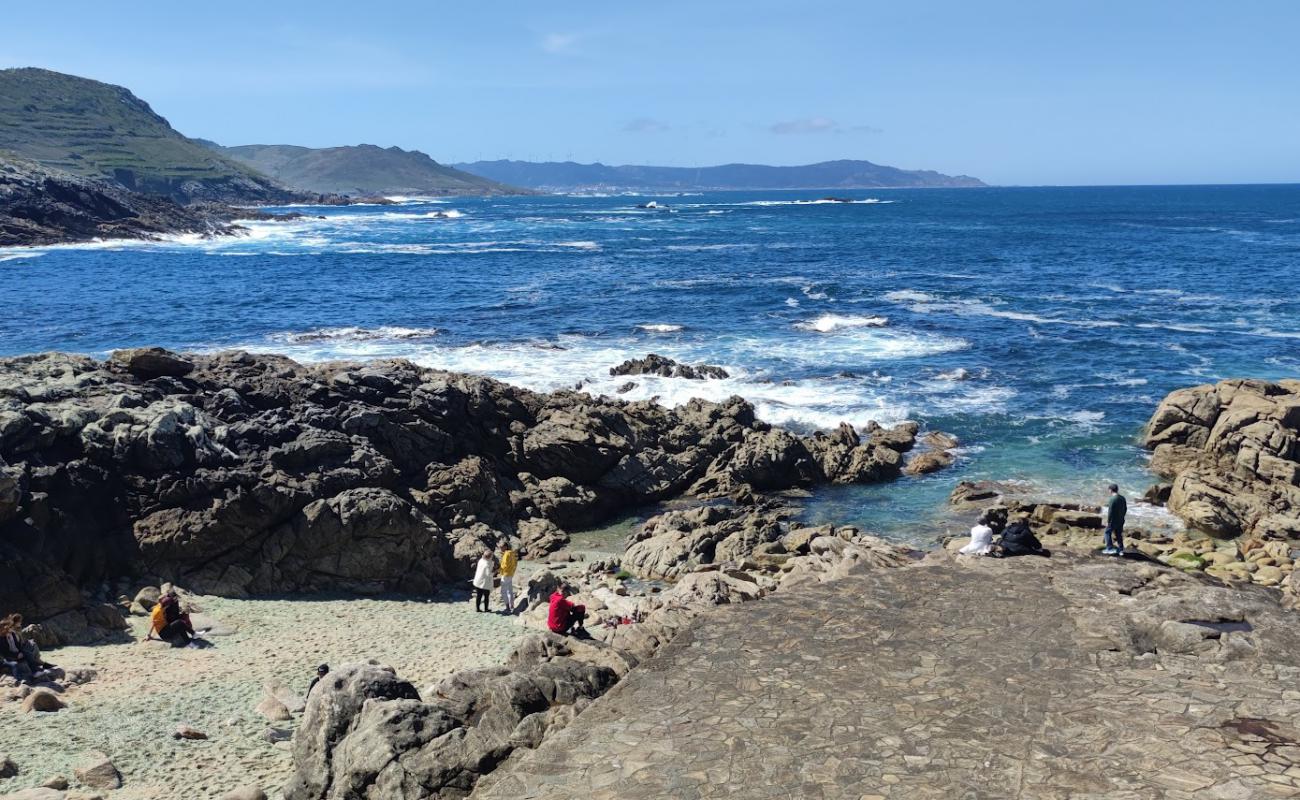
<point>57,782</point>
<point>43,700</point>
<point>287,696</point>
<point>98,772</point>
<point>245,793</point>
<point>8,768</point>
<point>273,709</point>
<point>36,794</point>
<point>275,735</point>
<point>184,731</point>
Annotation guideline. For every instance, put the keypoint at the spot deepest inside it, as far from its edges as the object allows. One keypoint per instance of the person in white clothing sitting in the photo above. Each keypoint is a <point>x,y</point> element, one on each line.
<point>981,539</point>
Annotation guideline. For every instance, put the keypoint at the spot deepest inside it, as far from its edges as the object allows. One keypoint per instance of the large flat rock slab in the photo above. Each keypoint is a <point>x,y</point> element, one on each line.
<point>1065,678</point>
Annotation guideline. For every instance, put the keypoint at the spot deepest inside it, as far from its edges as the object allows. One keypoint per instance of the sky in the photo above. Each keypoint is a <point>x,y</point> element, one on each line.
<point>1068,92</point>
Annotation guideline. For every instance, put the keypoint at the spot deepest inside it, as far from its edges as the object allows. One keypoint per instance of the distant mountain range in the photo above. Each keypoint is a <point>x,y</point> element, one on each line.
<point>568,176</point>
<point>361,170</point>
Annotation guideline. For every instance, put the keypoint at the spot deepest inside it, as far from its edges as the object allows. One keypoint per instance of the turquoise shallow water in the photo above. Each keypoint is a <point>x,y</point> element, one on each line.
<point>1040,325</point>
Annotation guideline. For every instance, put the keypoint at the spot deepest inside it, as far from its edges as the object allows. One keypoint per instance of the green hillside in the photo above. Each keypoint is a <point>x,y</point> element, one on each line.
<point>98,130</point>
<point>362,170</point>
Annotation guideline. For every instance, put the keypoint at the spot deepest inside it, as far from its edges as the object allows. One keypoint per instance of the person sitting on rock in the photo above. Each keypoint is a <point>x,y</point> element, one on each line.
<point>482,582</point>
<point>565,616</point>
<point>508,564</point>
<point>173,625</point>
<point>981,538</point>
<point>21,657</point>
<point>1116,510</point>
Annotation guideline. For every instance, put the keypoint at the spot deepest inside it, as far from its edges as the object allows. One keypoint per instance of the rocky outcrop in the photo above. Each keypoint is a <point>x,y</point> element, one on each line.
<point>239,474</point>
<point>367,733</point>
<point>665,367</point>
<point>40,205</point>
<point>1231,451</point>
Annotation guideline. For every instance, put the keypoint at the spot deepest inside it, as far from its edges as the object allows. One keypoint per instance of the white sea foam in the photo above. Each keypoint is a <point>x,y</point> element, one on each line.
<point>356,334</point>
<point>828,323</point>
<point>18,256</point>
<point>660,327</point>
<point>568,360</point>
<point>908,296</point>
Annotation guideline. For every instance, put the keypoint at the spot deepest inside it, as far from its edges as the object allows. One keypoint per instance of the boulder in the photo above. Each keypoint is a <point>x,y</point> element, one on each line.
<point>245,793</point>
<point>928,461</point>
<point>43,700</point>
<point>1231,452</point>
<point>152,362</point>
<point>675,543</point>
<point>273,709</point>
<point>97,771</point>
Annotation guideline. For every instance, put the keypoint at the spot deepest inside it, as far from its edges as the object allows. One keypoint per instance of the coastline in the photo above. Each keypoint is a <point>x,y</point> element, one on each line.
<point>731,536</point>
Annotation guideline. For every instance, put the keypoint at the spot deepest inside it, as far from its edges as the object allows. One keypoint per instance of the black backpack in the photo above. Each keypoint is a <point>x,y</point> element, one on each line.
<point>1018,540</point>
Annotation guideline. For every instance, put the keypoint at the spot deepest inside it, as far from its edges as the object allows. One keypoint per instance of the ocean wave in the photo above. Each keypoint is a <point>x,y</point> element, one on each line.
<point>572,359</point>
<point>828,323</point>
<point>819,202</point>
<point>356,334</point>
<point>660,327</point>
<point>18,256</point>
<point>908,296</point>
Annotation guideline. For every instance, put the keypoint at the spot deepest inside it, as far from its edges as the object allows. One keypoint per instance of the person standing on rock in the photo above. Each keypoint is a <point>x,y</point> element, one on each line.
<point>1116,510</point>
<point>508,564</point>
<point>482,582</point>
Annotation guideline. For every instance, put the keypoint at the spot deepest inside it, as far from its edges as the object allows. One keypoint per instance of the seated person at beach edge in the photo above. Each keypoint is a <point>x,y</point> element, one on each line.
<point>565,616</point>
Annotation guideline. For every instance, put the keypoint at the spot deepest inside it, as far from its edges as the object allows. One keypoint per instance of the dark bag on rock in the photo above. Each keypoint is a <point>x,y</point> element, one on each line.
<point>1018,540</point>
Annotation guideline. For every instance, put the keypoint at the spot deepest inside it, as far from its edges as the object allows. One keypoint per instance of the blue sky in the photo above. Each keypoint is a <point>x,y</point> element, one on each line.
<point>1067,92</point>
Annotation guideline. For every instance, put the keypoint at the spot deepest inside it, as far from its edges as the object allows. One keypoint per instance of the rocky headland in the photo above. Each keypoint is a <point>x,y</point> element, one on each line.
<point>732,648</point>
<point>43,206</point>
<point>236,474</point>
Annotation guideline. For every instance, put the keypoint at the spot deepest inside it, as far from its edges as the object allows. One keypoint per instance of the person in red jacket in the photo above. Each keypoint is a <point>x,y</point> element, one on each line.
<point>565,616</point>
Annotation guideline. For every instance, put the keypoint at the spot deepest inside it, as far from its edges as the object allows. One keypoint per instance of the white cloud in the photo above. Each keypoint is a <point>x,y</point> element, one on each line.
<point>558,43</point>
<point>809,125</point>
<point>645,125</point>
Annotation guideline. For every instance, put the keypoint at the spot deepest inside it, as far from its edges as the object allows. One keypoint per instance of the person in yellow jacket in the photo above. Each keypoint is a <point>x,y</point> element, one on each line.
<point>507,564</point>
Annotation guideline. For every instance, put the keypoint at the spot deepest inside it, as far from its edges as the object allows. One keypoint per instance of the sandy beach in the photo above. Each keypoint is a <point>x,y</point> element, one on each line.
<point>143,691</point>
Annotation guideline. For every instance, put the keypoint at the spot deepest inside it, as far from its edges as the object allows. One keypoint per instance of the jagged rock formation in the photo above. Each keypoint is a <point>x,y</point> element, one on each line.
<point>40,205</point>
<point>238,474</point>
<point>1232,453</point>
<point>655,364</point>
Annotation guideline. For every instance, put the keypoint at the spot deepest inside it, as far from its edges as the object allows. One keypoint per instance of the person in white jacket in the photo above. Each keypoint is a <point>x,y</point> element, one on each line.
<point>981,539</point>
<point>482,582</point>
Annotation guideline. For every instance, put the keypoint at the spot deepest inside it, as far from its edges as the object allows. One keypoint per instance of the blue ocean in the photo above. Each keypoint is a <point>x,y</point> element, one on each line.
<point>1041,326</point>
